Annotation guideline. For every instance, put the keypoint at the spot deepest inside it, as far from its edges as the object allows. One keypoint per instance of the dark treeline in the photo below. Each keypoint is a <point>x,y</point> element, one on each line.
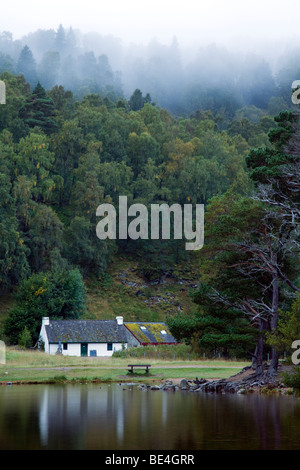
<point>211,77</point>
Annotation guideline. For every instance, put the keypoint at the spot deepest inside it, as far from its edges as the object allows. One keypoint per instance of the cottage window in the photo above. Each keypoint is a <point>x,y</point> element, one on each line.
<point>109,346</point>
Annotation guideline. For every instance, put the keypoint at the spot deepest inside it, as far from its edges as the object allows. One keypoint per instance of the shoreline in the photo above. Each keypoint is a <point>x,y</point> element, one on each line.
<point>244,382</point>
<point>209,376</point>
<point>35,368</point>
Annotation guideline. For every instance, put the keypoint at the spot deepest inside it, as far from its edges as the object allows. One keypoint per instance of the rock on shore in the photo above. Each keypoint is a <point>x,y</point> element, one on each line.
<point>244,382</point>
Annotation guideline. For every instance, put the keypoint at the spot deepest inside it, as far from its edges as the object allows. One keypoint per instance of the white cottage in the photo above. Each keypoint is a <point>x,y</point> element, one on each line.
<point>83,337</point>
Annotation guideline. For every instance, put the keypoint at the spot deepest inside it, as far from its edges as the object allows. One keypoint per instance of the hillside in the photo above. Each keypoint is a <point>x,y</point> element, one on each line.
<point>124,291</point>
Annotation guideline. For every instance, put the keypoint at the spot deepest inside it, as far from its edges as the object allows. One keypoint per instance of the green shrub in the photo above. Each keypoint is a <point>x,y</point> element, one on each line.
<point>25,340</point>
<point>292,379</point>
<point>59,378</point>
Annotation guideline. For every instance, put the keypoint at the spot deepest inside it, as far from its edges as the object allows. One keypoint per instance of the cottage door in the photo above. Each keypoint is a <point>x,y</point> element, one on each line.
<point>84,349</point>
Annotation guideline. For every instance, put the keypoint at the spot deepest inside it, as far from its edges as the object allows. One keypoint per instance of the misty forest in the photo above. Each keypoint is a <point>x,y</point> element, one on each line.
<point>86,120</point>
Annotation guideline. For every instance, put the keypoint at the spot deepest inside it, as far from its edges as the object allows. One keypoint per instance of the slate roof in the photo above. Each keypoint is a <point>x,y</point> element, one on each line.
<point>150,332</point>
<point>85,331</point>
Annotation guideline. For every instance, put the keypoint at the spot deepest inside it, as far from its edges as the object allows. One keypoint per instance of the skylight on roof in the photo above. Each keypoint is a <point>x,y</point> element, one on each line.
<point>163,332</point>
<point>143,328</point>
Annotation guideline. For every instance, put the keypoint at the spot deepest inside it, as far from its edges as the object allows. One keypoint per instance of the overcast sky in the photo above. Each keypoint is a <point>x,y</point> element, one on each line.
<point>139,21</point>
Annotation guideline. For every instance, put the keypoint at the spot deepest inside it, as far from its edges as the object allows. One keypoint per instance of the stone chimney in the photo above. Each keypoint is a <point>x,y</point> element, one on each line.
<point>45,321</point>
<point>119,320</point>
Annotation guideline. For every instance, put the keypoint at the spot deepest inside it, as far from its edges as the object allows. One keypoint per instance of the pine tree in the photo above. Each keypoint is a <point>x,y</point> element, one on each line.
<point>60,43</point>
<point>27,66</point>
<point>39,111</point>
<point>137,100</point>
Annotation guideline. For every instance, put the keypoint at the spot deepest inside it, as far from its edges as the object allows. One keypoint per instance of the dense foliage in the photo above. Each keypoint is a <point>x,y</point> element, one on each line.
<point>70,141</point>
<point>61,158</point>
<point>250,262</point>
<point>62,293</point>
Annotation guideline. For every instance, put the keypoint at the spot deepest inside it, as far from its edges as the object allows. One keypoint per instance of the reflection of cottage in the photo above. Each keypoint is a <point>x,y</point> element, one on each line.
<point>148,333</point>
<point>83,337</point>
<point>100,337</point>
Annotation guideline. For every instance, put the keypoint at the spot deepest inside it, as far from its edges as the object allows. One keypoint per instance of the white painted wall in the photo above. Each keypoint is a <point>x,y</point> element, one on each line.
<point>74,349</point>
<point>43,335</point>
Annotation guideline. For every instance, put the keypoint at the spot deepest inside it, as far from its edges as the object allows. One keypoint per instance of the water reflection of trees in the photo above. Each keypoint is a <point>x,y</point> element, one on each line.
<point>123,417</point>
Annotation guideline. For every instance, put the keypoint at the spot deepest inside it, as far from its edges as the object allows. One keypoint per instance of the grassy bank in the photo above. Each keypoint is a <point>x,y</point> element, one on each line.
<point>38,367</point>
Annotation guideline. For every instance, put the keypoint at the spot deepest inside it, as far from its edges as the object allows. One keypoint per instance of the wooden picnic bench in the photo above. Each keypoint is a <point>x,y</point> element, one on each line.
<point>145,366</point>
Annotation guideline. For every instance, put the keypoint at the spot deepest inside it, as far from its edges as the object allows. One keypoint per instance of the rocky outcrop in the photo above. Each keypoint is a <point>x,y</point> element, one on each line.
<point>246,381</point>
<point>168,386</point>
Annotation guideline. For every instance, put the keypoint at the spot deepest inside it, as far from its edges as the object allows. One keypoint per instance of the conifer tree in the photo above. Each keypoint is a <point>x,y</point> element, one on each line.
<point>27,66</point>
<point>39,111</point>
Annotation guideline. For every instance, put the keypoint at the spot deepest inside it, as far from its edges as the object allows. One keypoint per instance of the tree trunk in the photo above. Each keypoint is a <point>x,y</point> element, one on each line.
<point>274,322</point>
<point>259,350</point>
<point>257,356</point>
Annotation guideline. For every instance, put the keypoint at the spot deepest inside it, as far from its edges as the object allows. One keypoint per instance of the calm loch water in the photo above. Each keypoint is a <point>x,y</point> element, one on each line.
<point>121,417</point>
